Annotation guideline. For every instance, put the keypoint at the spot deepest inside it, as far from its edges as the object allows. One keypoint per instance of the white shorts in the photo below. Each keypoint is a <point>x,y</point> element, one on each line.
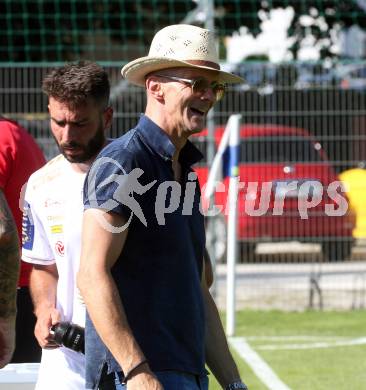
<point>61,369</point>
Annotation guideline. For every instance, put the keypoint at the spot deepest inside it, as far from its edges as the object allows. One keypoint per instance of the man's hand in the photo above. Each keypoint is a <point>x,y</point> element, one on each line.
<point>7,340</point>
<point>143,378</point>
<point>45,319</point>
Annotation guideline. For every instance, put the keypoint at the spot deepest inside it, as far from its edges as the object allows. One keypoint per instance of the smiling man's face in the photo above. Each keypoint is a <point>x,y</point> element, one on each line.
<point>187,111</point>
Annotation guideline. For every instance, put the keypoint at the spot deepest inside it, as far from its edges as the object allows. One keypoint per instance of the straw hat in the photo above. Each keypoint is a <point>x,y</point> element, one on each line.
<point>179,45</point>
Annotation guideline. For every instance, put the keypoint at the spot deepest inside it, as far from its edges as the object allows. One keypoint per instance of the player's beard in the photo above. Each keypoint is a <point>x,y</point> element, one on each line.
<point>88,151</point>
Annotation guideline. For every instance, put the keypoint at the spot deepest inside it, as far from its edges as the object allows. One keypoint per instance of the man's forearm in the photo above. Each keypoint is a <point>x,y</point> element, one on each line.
<point>9,260</point>
<point>9,273</point>
<point>218,356</point>
<point>9,270</point>
<point>43,287</point>
<point>104,303</point>
<point>107,313</point>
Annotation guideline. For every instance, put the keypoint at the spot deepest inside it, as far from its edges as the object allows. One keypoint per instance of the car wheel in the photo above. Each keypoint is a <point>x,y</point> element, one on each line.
<point>336,251</point>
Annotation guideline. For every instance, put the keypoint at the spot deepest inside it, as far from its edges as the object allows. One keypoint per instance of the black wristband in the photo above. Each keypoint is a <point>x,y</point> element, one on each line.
<point>128,375</point>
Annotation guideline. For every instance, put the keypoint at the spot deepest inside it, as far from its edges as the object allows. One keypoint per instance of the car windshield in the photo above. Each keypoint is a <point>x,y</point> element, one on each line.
<point>278,150</point>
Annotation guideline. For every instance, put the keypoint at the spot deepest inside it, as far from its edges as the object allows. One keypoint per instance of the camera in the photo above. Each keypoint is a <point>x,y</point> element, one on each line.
<point>69,335</point>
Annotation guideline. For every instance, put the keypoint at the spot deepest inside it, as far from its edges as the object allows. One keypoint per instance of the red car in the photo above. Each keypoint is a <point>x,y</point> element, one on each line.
<point>289,191</point>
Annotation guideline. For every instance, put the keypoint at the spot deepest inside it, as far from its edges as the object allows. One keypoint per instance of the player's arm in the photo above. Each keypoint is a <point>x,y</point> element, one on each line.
<point>43,288</point>
<point>218,356</point>
<point>9,273</point>
<point>100,250</point>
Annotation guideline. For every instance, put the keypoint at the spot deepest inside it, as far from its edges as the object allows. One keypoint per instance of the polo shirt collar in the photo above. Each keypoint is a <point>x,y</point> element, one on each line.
<point>159,141</point>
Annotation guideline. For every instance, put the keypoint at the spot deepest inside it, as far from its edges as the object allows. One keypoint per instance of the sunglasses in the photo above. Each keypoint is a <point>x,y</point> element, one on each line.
<point>201,85</point>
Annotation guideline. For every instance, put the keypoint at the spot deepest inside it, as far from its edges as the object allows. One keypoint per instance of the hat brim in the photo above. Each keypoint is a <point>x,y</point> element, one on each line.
<point>136,71</point>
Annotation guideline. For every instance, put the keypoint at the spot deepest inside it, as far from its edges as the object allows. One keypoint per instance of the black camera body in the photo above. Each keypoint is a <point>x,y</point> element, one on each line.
<point>69,335</point>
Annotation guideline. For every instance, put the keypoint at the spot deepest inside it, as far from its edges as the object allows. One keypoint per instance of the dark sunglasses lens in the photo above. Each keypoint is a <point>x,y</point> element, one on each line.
<point>201,85</point>
<point>219,90</point>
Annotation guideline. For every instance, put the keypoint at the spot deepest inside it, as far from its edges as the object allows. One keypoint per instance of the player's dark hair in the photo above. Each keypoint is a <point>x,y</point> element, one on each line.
<point>75,83</point>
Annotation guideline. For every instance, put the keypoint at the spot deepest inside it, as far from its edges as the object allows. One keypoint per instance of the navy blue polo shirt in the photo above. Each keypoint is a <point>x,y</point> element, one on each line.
<point>158,272</point>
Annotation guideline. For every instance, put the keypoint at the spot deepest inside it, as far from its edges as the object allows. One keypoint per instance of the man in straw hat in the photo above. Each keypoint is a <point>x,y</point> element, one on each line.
<point>152,323</point>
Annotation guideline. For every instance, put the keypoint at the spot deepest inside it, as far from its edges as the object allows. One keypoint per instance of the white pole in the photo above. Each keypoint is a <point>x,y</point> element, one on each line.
<point>232,224</point>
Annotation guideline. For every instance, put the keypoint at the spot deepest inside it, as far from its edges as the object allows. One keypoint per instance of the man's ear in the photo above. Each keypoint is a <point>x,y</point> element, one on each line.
<point>108,117</point>
<point>154,88</point>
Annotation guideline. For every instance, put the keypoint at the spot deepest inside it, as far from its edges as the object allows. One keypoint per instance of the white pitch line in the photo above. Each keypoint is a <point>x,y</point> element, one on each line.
<point>261,369</point>
<point>299,337</point>
<point>343,343</point>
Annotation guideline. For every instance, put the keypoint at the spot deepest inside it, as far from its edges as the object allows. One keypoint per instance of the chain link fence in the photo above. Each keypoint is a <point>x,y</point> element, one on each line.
<point>302,121</point>
<point>284,262</point>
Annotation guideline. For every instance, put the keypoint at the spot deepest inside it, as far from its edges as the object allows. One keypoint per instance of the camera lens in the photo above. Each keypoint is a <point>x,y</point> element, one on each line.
<point>69,335</point>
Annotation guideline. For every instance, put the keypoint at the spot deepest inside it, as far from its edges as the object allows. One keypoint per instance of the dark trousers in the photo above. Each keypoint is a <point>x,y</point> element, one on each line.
<point>27,349</point>
<point>171,380</point>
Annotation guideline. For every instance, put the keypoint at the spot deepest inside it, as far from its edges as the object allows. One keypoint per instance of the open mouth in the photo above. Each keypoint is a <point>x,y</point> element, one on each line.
<point>197,111</point>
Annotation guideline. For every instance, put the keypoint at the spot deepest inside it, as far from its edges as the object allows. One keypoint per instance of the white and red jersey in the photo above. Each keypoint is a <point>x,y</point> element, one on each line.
<point>52,234</point>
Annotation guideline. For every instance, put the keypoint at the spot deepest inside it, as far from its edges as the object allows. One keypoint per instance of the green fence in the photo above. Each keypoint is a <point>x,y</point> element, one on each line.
<point>326,97</point>
<point>330,103</point>
<point>118,30</point>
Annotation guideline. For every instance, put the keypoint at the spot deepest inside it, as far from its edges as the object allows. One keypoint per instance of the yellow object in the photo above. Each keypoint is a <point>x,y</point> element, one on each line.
<point>355,185</point>
<point>55,229</point>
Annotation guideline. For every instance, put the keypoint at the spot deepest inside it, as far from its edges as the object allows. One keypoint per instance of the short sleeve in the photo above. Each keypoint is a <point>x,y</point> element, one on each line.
<point>35,244</point>
<point>107,183</point>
